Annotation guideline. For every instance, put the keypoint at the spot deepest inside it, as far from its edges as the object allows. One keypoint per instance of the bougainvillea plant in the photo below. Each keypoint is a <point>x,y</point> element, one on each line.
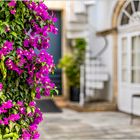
<point>24,75</point>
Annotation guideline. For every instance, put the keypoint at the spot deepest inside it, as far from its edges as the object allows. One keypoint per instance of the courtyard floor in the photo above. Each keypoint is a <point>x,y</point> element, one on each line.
<point>71,125</point>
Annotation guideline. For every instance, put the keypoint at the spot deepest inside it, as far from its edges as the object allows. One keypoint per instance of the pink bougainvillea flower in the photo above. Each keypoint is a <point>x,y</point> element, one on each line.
<point>26,136</point>
<point>2,110</point>
<point>32,103</point>
<point>6,48</point>
<point>33,127</point>
<point>43,6</point>
<point>11,66</point>
<point>7,105</point>
<point>1,122</point>
<point>22,110</point>
<point>14,117</point>
<point>5,121</point>
<point>12,3</point>
<point>30,114</point>
<point>47,92</point>
<point>53,29</point>
<point>1,86</point>
<point>7,29</point>
<point>38,96</point>
<point>13,12</point>
<point>26,43</point>
<point>20,103</point>
<point>36,135</point>
<point>54,19</point>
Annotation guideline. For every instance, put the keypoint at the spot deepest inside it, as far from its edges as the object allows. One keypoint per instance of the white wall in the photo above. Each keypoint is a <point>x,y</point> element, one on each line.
<point>100,18</point>
<point>107,59</point>
<point>125,98</point>
<point>103,13</point>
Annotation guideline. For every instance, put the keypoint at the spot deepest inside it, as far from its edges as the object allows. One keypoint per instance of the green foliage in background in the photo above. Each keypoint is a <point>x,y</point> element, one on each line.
<point>71,63</point>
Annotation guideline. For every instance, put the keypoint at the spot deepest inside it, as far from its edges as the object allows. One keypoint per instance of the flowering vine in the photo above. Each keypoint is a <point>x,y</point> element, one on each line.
<point>24,74</point>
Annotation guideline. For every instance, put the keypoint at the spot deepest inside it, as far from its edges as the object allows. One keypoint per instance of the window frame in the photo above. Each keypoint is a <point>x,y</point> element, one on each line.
<point>129,52</point>
<point>126,13</point>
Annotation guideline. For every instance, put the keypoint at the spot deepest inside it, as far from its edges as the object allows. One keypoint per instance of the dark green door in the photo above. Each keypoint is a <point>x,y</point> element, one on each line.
<point>55,50</point>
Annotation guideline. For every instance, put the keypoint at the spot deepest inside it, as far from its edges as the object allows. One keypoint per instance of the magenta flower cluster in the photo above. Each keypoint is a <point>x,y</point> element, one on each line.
<point>1,87</point>
<point>6,48</point>
<point>25,73</point>
<point>12,5</point>
<point>5,106</point>
<point>31,132</point>
<point>4,109</point>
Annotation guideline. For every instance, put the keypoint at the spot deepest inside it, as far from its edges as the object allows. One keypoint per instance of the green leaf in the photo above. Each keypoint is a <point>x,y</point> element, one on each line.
<point>2,30</point>
<point>7,130</point>
<point>8,135</point>
<point>2,97</point>
<point>32,94</point>
<point>14,34</point>
<point>1,93</point>
<point>5,23</point>
<point>0,137</point>
<point>33,109</point>
<point>1,3</point>
<point>29,110</point>
<point>17,127</point>
<point>11,125</point>
<point>56,91</point>
<point>16,136</point>
<point>14,111</point>
<point>22,122</point>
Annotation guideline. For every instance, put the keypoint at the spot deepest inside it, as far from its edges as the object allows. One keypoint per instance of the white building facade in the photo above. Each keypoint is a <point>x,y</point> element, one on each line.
<point>112,66</point>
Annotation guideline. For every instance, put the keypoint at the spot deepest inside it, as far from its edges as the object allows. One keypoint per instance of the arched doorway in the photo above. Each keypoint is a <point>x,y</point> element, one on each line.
<point>128,56</point>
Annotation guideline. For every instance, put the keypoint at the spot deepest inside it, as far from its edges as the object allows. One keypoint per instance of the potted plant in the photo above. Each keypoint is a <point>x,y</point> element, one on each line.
<point>24,75</point>
<point>71,66</point>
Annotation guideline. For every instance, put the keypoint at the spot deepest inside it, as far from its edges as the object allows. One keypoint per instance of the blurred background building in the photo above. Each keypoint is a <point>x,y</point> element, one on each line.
<point>111,70</point>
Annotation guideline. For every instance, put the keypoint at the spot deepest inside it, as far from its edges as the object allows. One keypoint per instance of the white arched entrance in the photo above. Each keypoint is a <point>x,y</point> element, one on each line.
<point>129,55</point>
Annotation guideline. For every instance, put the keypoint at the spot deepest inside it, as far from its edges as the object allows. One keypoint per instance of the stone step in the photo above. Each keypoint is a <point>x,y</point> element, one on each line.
<point>78,18</point>
<point>94,106</point>
<point>96,70</point>
<point>76,27</point>
<point>94,85</point>
<point>74,35</point>
<point>102,66</point>
<point>89,2</point>
<point>97,77</point>
<point>79,7</point>
<point>93,62</point>
<point>98,65</point>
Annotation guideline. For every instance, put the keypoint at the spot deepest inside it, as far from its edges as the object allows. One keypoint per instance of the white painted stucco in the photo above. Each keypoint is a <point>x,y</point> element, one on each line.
<point>102,20</point>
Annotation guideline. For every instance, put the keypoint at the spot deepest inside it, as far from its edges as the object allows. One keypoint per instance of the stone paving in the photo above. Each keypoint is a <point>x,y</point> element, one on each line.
<point>71,125</point>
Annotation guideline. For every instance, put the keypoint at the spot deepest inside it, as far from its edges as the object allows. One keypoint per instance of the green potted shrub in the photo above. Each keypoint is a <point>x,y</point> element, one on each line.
<point>71,66</point>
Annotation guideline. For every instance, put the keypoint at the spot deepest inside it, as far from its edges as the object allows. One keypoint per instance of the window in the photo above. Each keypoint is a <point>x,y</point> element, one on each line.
<point>124,60</point>
<point>125,19</point>
<point>136,5</point>
<point>130,12</point>
<point>130,58</point>
<point>129,29</point>
<point>135,59</point>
